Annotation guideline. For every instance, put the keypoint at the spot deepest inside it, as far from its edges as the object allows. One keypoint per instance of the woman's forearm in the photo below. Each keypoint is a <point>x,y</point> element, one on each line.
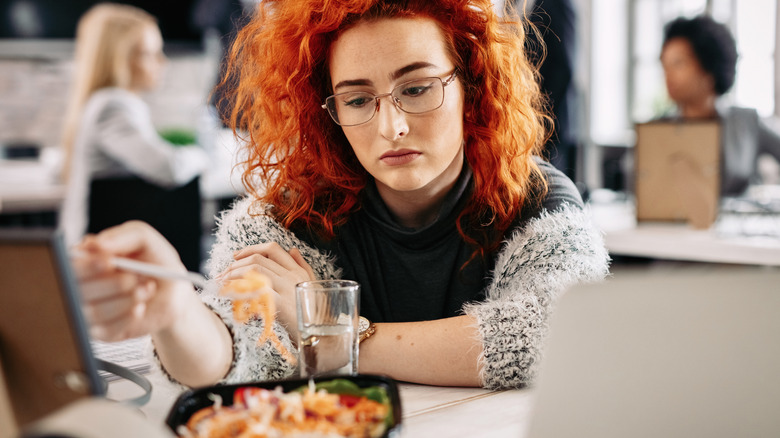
<point>197,350</point>
<point>443,352</point>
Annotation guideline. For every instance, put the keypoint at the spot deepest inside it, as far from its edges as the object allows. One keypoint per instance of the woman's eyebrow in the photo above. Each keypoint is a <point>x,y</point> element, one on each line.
<point>352,82</point>
<point>410,68</point>
<point>393,76</point>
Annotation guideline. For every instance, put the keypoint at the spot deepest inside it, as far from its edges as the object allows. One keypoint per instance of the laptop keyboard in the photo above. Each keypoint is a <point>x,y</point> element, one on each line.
<point>131,354</point>
<point>750,217</point>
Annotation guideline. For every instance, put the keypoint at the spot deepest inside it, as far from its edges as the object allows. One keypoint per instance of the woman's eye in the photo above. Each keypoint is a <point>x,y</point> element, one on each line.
<point>357,101</point>
<point>416,90</point>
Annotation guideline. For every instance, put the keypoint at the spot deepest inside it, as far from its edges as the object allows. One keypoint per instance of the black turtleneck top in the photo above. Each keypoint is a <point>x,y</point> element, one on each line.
<point>418,274</point>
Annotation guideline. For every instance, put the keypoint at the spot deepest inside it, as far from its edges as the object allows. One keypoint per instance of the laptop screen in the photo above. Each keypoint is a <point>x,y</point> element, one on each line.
<point>45,353</point>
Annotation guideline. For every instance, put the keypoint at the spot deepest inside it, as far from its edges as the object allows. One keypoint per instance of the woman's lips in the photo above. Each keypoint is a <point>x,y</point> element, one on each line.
<point>398,158</point>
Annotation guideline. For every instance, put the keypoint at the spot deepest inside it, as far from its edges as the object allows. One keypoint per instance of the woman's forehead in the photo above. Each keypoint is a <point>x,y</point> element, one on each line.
<point>678,47</point>
<point>380,47</point>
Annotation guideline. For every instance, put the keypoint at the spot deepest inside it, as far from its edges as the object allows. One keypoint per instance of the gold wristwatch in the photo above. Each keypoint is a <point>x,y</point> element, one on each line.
<point>366,328</point>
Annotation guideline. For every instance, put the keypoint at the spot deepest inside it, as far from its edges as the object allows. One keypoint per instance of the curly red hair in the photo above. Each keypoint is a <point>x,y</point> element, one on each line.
<point>300,162</point>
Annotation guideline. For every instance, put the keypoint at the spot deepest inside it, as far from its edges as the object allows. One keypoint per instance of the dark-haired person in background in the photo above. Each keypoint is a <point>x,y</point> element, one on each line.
<point>699,58</point>
<point>226,18</point>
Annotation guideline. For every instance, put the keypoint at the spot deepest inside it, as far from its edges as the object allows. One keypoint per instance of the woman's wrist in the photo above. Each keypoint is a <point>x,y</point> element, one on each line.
<point>178,304</point>
<point>193,330</point>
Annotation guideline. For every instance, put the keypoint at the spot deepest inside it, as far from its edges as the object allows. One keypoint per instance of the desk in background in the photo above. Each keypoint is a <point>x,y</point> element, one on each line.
<point>31,193</point>
<point>32,185</point>
<point>677,241</point>
<point>30,196</point>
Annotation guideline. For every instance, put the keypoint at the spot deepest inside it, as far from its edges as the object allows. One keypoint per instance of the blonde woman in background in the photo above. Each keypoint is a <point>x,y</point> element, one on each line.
<point>110,142</point>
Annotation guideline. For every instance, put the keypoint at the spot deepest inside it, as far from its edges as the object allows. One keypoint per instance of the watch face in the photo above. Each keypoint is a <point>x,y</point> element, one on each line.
<point>363,324</point>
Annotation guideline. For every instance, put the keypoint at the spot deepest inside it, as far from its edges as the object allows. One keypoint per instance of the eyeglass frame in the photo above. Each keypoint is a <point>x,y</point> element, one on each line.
<point>444,82</point>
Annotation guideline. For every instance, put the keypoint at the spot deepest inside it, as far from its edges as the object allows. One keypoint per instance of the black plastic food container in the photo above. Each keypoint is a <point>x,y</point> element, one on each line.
<point>194,400</point>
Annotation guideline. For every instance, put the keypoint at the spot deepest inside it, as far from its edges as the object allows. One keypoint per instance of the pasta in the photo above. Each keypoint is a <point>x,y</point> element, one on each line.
<point>252,296</point>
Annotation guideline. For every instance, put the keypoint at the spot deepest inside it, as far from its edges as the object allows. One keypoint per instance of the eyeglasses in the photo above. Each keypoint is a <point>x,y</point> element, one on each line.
<point>413,97</point>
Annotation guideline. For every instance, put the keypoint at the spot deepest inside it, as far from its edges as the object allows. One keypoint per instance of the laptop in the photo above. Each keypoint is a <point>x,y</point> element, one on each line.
<point>45,355</point>
<point>677,171</point>
<point>669,354</point>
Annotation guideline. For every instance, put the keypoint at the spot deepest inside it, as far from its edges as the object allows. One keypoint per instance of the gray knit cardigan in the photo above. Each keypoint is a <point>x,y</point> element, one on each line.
<point>535,265</point>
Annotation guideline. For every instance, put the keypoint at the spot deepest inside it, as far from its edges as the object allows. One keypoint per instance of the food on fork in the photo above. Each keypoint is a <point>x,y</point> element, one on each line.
<point>252,296</point>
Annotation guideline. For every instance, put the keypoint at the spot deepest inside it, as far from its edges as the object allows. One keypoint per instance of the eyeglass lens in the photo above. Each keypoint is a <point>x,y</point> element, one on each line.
<point>414,97</point>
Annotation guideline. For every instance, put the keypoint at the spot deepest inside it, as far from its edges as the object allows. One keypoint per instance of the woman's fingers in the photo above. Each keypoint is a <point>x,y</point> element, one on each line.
<point>121,304</point>
<point>134,239</point>
<point>270,251</point>
<point>88,265</point>
<point>257,262</point>
<point>111,307</point>
<point>298,257</point>
<point>273,259</point>
<point>235,272</point>
<point>107,286</point>
<point>252,249</point>
<point>101,312</point>
<point>264,262</point>
<point>129,325</point>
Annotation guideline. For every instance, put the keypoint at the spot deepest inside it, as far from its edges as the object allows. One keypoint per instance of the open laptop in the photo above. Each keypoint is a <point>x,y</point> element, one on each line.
<point>44,348</point>
<point>670,354</point>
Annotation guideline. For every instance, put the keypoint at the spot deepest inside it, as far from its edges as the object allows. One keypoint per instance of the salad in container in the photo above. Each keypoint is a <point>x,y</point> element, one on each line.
<point>360,406</point>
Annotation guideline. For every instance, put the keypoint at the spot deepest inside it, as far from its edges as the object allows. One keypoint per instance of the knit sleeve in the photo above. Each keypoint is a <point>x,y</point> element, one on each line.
<point>248,223</point>
<point>237,229</point>
<point>538,262</point>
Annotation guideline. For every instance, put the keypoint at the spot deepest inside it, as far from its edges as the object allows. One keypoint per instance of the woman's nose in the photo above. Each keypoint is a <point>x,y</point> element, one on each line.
<point>392,121</point>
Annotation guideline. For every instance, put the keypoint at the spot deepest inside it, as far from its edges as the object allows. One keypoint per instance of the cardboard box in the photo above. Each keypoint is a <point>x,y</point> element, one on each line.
<point>677,171</point>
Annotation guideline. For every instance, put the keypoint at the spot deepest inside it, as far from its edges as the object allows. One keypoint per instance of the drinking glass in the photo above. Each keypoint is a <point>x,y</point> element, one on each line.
<point>328,312</point>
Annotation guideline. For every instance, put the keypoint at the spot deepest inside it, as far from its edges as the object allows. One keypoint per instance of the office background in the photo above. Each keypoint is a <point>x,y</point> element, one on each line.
<point>621,79</point>
<point>618,77</point>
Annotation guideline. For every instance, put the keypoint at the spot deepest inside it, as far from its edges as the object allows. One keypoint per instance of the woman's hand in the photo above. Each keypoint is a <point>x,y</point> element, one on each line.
<point>284,269</point>
<point>121,305</point>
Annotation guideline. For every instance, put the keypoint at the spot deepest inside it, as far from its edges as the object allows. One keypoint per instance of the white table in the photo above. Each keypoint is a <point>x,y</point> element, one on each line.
<point>31,186</point>
<point>28,186</point>
<point>678,241</point>
<point>23,198</point>
<point>430,411</point>
<point>427,411</point>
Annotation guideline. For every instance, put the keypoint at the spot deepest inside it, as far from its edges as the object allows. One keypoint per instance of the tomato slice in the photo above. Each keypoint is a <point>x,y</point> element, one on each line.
<point>349,400</point>
<point>242,394</point>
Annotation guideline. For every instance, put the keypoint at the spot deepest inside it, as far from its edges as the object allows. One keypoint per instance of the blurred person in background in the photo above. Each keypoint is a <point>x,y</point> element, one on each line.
<point>225,18</point>
<point>699,59</point>
<point>117,166</point>
<point>550,44</point>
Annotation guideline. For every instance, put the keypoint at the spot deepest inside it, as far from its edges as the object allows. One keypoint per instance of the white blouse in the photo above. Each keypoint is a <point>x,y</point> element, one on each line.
<point>116,139</point>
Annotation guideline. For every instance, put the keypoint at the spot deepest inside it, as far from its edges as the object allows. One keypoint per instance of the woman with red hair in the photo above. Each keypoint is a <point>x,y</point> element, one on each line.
<point>391,143</point>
